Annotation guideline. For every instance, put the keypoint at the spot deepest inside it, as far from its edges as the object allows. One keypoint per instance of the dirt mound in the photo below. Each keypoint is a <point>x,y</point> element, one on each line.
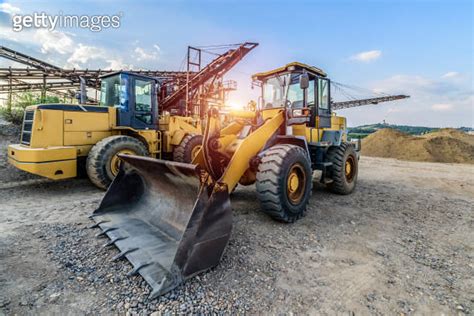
<point>445,145</point>
<point>453,133</point>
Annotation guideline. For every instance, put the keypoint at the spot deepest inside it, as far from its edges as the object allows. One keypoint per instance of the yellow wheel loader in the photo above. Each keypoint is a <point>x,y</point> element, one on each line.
<point>58,140</point>
<point>151,212</point>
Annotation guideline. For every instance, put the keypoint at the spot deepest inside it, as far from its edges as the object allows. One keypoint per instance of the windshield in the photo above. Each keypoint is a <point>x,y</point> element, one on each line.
<point>110,91</point>
<point>274,91</point>
<point>282,91</point>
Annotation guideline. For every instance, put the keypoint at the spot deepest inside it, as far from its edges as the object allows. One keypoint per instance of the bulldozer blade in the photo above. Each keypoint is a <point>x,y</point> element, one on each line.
<point>152,215</point>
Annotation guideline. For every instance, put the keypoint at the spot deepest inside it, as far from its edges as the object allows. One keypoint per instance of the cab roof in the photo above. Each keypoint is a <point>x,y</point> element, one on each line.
<point>294,66</point>
<point>127,73</point>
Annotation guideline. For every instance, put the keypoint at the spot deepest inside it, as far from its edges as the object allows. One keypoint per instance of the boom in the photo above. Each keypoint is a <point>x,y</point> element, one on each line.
<point>218,67</point>
<point>360,102</point>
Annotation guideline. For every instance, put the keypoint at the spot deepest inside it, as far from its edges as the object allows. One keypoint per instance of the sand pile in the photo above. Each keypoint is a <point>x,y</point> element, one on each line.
<point>445,145</point>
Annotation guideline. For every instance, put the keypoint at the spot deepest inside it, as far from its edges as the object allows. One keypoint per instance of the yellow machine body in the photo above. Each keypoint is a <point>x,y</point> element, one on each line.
<point>52,140</point>
<point>149,206</point>
<point>240,145</point>
<point>175,128</point>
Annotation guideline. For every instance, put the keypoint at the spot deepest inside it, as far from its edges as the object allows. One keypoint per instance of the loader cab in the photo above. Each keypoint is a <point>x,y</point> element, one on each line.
<point>297,86</point>
<point>134,96</point>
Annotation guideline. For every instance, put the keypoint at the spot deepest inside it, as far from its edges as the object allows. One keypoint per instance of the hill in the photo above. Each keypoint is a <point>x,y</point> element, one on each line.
<point>444,145</point>
<point>365,130</point>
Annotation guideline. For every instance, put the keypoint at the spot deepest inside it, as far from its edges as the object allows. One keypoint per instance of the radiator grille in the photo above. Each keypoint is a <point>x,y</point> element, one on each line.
<point>27,127</point>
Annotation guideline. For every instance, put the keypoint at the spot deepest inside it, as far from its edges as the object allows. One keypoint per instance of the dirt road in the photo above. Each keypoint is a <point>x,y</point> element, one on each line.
<point>402,243</point>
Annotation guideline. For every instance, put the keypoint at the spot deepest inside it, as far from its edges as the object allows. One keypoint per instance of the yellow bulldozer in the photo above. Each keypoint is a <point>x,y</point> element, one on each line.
<point>58,140</point>
<point>151,212</point>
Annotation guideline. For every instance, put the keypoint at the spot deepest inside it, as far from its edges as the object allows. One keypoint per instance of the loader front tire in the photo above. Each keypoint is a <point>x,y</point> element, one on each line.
<point>103,163</point>
<point>284,182</point>
<point>344,169</point>
<point>187,149</point>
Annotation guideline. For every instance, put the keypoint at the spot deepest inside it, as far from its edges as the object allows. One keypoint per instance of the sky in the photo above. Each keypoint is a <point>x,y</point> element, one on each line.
<point>422,48</point>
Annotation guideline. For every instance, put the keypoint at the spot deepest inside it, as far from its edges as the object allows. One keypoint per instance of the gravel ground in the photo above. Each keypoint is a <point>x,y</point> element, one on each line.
<point>402,243</point>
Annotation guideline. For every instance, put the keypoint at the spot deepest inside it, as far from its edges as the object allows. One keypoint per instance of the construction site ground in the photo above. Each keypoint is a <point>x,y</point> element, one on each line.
<point>401,243</point>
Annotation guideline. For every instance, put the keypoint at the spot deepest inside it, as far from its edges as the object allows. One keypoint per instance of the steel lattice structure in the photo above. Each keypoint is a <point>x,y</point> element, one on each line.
<point>203,84</point>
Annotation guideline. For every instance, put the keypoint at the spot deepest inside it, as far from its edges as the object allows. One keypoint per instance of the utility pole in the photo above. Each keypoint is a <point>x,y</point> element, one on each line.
<point>43,91</point>
<point>10,94</point>
<point>190,63</point>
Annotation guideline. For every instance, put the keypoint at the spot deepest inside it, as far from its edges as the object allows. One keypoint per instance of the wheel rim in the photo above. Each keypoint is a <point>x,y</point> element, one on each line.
<point>195,151</point>
<point>296,184</point>
<point>349,169</point>
<point>115,161</point>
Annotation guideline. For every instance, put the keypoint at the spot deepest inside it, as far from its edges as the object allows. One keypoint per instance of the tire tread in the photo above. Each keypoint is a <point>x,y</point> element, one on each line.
<point>336,155</point>
<point>269,191</point>
<point>95,164</point>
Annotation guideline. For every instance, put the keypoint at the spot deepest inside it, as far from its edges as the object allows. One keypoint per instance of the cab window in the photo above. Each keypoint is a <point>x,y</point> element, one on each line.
<point>323,93</point>
<point>110,90</point>
<point>143,95</point>
<point>143,101</point>
<point>295,93</point>
<point>311,95</point>
<point>274,92</point>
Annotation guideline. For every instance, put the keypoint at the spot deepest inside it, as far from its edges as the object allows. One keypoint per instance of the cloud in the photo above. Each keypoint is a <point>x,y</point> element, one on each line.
<point>83,53</point>
<point>442,107</point>
<point>118,64</point>
<point>451,74</point>
<point>434,101</point>
<point>143,55</point>
<point>54,41</point>
<point>394,110</point>
<point>416,84</point>
<point>367,56</point>
<point>68,51</point>
<point>87,56</point>
<point>64,49</point>
<point>8,8</point>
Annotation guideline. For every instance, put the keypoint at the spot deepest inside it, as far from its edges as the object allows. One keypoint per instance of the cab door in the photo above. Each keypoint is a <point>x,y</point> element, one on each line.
<point>323,102</point>
<point>143,100</point>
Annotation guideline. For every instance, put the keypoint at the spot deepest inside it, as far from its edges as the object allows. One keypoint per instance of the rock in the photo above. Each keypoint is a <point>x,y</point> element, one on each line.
<point>4,301</point>
<point>54,297</point>
<point>8,129</point>
<point>23,301</point>
<point>371,297</point>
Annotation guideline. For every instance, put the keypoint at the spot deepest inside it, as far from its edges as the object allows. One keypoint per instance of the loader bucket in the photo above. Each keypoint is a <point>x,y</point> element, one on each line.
<point>151,213</point>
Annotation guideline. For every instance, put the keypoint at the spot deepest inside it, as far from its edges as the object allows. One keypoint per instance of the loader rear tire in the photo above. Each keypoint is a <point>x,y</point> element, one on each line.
<point>284,182</point>
<point>187,149</point>
<point>344,169</point>
<point>102,162</point>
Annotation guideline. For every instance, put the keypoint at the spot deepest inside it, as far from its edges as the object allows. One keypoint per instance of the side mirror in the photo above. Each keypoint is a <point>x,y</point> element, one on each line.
<point>304,81</point>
